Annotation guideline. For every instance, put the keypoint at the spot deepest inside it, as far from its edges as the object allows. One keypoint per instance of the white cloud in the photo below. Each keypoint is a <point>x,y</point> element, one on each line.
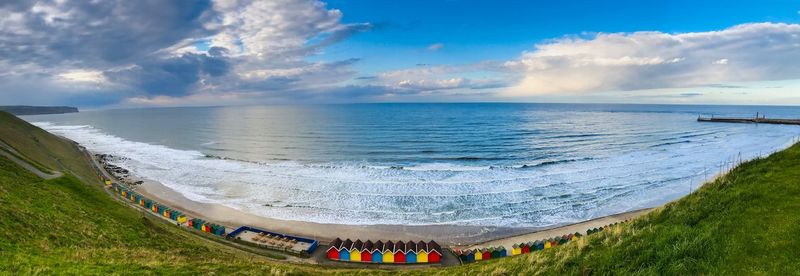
<point>643,60</point>
<point>435,47</point>
<point>84,76</point>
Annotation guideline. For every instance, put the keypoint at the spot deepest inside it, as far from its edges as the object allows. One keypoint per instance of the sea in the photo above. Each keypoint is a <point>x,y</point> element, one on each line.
<point>477,164</point>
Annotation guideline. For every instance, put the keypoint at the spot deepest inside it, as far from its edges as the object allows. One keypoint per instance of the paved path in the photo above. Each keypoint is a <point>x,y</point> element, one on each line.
<point>6,151</point>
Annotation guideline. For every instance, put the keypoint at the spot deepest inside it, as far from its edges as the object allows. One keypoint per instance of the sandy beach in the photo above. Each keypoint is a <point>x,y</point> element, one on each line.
<point>230,217</point>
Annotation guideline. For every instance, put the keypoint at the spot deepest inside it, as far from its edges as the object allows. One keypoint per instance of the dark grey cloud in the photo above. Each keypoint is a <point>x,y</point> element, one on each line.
<point>173,76</point>
<point>149,49</point>
<point>98,34</point>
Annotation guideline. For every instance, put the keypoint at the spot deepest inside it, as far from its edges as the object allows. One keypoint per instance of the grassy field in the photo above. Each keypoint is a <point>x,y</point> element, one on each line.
<point>747,222</point>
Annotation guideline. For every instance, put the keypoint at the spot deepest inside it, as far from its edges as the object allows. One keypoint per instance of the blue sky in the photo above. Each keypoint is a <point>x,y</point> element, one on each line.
<point>472,31</point>
<point>210,52</point>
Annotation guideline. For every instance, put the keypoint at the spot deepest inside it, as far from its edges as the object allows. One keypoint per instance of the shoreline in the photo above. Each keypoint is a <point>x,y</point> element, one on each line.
<point>453,236</point>
<point>230,217</point>
<point>450,235</point>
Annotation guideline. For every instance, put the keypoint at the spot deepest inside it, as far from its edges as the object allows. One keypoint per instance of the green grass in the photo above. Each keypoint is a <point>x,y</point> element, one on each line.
<point>64,226</point>
<point>43,149</point>
<point>746,222</point>
<point>35,164</point>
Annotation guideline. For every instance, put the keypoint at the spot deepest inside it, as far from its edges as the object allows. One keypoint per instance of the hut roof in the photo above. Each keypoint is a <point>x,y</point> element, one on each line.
<point>422,246</point>
<point>400,247</point>
<point>433,246</point>
<point>378,246</point>
<point>368,246</point>
<point>411,247</point>
<point>336,243</point>
<point>347,244</point>
<point>388,246</point>
<point>357,245</point>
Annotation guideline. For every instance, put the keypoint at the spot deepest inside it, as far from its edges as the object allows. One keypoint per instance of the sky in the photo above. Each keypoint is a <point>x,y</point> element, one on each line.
<point>116,53</point>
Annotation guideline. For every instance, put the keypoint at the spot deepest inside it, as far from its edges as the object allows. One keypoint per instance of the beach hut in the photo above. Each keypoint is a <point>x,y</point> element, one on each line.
<point>495,252</point>
<point>516,250</point>
<point>355,251</point>
<point>486,254</point>
<point>575,236</point>
<point>548,244</point>
<point>477,255</point>
<point>333,250</point>
<point>399,252</point>
<point>366,251</point>
<point>540,245</point>
<point>503,251</point>
<point>470,256</point>
<point>434,252</point>
<point>525,248</point>
<point>554,242</point>
<point>377,252</point>
<point>411,252</point>
<point>422,252</point>
<point>344,250</point>
<point>388,252</point>
<point>462,255</point>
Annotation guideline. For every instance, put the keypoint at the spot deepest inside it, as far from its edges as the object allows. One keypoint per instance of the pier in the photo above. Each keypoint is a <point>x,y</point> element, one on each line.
<point>758,119</point>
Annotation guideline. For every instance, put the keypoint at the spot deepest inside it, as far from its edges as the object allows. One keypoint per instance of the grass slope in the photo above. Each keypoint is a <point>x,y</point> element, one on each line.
<point>64,226</point>
<point>43,149</point>
<point>747,222</point>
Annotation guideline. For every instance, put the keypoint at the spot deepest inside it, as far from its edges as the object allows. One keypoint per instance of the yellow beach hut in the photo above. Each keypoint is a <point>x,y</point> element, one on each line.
<point>547,244</point>
<point>422,252</point>
<point>478,255</point>
<point>388,252</point>
<point>516,250</point>
<point>355,251</point>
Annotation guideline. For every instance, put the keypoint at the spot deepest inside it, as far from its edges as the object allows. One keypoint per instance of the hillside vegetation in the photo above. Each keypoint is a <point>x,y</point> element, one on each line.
<point>744,223</point>
<point>43,149</point>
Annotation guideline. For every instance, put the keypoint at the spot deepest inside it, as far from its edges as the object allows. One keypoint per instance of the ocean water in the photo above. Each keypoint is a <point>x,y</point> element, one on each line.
<point>525,165</point>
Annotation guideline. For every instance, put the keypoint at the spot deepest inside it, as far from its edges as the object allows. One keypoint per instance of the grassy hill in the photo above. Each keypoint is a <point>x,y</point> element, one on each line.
<point>43,149</point>
<point>747,222</point>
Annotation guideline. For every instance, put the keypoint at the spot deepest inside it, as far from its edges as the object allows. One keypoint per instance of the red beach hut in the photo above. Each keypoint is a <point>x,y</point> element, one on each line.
<point>366,252</point>
<point>400,252</point>
<point>434,252</point>
<point>333,251</point>
<point>486,254</point>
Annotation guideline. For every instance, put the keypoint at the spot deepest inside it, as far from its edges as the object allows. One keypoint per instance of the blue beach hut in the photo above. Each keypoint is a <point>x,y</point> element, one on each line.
<point>411,252</point>
<point>344,252</point>
<point>502,251</point>
<point>377,255</point>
